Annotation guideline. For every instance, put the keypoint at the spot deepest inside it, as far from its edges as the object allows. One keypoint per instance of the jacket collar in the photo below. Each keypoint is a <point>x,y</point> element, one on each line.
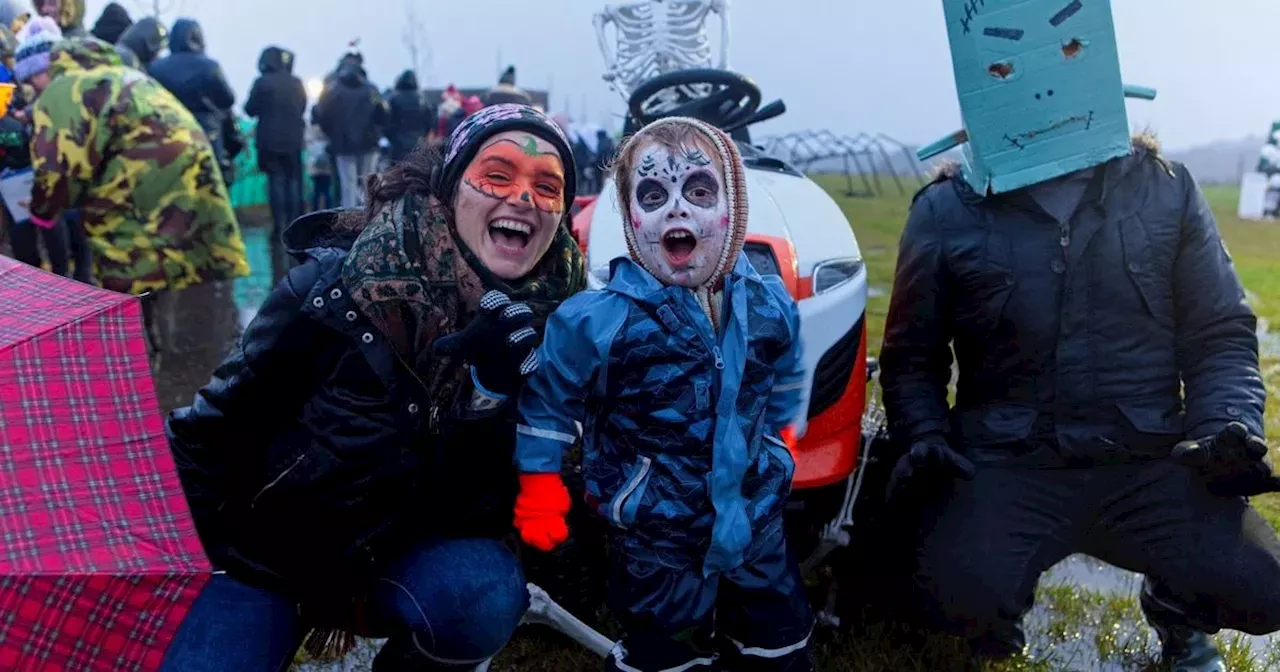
<point>628,278</point>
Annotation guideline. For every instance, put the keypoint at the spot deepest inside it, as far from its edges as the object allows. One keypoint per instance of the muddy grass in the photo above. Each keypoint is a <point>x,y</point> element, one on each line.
<point>1087,616</point>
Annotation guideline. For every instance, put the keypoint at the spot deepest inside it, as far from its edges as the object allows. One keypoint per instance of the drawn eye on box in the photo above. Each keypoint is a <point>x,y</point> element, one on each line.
<point>1008,38</point>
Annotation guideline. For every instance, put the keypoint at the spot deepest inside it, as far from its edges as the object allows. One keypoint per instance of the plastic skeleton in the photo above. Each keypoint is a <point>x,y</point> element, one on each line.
<point>660,36</point>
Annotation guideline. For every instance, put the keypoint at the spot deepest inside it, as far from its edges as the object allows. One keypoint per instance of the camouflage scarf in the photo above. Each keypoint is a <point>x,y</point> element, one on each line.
<point>415,280</point>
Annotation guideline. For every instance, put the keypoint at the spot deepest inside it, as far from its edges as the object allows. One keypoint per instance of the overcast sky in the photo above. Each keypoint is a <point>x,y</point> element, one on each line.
<point>879,66</point>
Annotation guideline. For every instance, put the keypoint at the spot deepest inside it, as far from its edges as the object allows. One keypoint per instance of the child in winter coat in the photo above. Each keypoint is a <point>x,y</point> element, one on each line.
<point>685,373</point>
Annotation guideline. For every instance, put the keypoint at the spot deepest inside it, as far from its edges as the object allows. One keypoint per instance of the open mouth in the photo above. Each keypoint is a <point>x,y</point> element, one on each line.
<point>679,245</point>
<point>510,235</point>
<point>1019,141</point>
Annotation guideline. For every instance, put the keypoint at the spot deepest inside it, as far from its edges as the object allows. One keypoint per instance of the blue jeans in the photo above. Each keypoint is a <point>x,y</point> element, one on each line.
<point>448,604</point>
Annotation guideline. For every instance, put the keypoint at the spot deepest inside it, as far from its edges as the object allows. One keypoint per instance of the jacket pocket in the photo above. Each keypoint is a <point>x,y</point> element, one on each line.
<point>782,455</point>
<point>986,288</point>
<point>625,504</point>
<point>1156,422</point>
<point>992,425</point>
<point>1152,283</point>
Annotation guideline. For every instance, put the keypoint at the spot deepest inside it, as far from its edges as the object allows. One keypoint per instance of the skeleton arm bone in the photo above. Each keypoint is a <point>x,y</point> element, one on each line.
<point>721,8</point>
<point>600,20</point>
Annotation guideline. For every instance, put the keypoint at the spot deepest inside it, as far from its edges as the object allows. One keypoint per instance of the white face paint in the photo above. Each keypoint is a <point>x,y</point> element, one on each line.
<point>679,213</point>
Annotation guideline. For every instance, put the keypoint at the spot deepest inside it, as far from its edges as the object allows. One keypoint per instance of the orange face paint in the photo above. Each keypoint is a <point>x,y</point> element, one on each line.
<point>509,171</point>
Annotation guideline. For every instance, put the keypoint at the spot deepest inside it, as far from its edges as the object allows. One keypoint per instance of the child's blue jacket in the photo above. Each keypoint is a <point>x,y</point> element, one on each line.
<point>680,428</point>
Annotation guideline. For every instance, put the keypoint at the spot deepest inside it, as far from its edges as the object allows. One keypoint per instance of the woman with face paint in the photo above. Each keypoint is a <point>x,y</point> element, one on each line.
<point>685,372</point>
<point>349,467</point>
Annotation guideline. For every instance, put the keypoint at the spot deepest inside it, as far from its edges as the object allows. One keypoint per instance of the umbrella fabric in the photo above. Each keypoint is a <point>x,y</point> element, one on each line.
<point>99,558</point>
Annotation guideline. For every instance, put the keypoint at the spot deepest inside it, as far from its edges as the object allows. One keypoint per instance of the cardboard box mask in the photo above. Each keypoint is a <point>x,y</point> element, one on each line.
<point>1039,87</point>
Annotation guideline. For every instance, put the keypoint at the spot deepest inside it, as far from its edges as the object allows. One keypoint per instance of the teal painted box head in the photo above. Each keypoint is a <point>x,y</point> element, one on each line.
<point>1040,90</point>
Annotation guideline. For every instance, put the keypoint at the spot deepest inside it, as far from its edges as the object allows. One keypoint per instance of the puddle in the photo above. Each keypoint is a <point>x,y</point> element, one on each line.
<point>1088,574</point>
<point>1268,341</point>
<point>251,292</point>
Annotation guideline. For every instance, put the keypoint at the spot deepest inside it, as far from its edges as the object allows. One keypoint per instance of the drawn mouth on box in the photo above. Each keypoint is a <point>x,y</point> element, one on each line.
<point>1021,140</point>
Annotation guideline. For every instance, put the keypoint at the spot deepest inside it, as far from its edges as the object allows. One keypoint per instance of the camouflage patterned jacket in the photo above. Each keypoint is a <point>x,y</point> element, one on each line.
<point>114,143</point>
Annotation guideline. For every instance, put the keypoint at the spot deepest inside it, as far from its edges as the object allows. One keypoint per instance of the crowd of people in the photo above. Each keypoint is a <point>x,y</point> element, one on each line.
<point>354,128</point>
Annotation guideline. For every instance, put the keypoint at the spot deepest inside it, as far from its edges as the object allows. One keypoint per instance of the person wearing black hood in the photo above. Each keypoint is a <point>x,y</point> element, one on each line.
<point>141,44</point>
<point>351,113</point>
<point>112,24</point>
<point>197,81</point>
<point>279,100</point>
<point>506,91</point>
<point>411,116</point>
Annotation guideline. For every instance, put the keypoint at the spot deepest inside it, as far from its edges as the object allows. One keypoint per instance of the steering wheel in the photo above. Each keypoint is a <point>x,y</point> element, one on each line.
<point>733,97</point>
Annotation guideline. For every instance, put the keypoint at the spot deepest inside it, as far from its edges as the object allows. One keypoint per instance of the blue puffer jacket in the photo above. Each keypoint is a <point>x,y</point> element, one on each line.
<point>681,432</point>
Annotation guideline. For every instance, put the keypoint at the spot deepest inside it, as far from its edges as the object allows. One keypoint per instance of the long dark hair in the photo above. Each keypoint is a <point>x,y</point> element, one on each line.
<point>417,174</point>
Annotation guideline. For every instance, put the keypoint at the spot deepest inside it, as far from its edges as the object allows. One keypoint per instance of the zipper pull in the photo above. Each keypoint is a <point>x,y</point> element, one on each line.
<point>431,422</point>
<point>719,360</point>
<point>1064,239</point>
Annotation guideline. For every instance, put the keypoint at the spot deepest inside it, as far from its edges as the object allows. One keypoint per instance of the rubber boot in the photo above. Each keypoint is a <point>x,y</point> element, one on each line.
<point>1182,647</point>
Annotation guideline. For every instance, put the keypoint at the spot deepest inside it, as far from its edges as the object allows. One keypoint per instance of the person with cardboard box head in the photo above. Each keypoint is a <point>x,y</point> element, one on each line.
<point>1109,399</point>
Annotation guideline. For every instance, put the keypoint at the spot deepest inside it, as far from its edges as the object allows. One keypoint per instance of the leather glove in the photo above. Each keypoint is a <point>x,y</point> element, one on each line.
<point>1230,462</point>
<point>541,508</point>
<point>929,457</point>
<point>498,342</point>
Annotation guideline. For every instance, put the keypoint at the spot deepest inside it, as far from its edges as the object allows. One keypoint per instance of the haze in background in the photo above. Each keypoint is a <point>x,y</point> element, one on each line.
<point>847,65</point>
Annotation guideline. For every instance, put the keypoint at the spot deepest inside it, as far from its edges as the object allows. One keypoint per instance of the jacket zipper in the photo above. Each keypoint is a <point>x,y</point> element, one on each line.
<point>276,480</point>
<point>1064,240</point>
<point>630,488</point>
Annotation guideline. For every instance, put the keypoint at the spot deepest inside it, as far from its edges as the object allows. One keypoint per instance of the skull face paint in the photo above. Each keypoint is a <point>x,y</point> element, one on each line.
<point>679,211</point>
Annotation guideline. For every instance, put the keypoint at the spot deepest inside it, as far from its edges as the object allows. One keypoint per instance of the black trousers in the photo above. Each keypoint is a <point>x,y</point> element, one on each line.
<point>25,238</point>
<point>81,253</point>
<point>284,191</point>
<point>986,546</point>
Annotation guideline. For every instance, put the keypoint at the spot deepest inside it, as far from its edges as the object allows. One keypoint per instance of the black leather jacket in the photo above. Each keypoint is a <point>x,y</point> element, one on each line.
<point>1114,336</point>
<point>314,453</point>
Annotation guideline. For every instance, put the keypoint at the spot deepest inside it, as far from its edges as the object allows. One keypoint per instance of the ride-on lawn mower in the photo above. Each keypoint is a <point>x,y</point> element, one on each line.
<point>796,231</point>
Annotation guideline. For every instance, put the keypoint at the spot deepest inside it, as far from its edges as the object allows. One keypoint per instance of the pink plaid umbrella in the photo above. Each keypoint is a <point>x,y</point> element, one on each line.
<point>99,558</point>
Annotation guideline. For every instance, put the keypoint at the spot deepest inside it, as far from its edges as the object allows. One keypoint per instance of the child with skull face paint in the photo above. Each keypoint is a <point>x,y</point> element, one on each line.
<point>684,372</point>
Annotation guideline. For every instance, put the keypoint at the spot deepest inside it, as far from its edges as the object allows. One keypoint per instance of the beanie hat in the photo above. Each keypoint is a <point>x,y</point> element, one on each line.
<point>735,187</point>
<point>490,121</point>
<point>112,24</point>
<point>35,41</point>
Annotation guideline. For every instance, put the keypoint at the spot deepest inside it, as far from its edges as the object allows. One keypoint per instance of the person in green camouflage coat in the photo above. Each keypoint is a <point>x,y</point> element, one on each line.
<point>113,142</point>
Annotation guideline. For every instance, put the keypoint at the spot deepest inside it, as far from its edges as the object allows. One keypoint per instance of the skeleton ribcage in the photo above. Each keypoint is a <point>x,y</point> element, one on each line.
<point>652,42</point>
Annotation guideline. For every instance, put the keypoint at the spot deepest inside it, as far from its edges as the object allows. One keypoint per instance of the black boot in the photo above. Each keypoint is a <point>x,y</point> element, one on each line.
<point>1182,648</point>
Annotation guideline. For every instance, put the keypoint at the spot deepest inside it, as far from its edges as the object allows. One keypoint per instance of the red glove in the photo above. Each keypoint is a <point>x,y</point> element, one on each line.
<point>541,506</point>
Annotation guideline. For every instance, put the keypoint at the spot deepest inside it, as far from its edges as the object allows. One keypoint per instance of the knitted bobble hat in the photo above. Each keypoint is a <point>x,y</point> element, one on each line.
<point>35,41</point>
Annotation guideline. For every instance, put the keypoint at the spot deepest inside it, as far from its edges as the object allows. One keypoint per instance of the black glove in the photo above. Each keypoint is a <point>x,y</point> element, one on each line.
<point>930,457</point>
<point>1230,462</point>
<point>498,342</point>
